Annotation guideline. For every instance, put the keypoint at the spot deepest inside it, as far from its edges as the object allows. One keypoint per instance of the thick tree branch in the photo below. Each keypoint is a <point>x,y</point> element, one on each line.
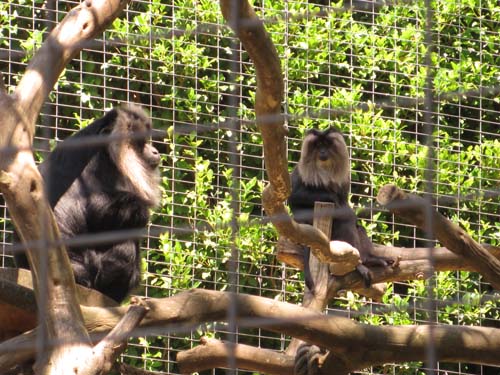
<point>213,353</point>
<point>19,312</point>
<point>250,30</point>
<point>342,336</point>
<point>81,24</point>
<point>414,210</point>
<point>413,264</point>
<point>115,342</point>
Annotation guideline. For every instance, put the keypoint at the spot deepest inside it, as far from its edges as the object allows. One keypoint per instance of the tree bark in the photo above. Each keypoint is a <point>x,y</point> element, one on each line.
<point>214,353</point>
<point>415,210</point>
<point>342,336</point>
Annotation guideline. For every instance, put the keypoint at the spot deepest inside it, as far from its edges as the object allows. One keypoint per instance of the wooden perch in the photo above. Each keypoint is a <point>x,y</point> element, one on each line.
<point>268,98</point>
<point>386,344</point>
<point>325,287</point>
<point>418,211</point>
<point>22,187</point>
<point>320,272</point>
<point>340,335</point>
<point>109,348</point>
<point>317,298</point>
<point>213,353</point>
<point>413,265</point>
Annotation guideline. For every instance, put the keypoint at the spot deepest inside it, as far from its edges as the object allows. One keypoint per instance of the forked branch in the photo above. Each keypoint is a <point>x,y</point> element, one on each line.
<point>415,210</point>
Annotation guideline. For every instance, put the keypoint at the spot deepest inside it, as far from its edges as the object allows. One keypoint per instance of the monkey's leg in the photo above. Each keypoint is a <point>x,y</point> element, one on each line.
<point>118,270</point>
<point>376,261</point>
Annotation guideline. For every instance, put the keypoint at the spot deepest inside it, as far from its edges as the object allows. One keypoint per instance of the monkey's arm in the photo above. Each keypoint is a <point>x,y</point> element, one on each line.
<point>116,212</point>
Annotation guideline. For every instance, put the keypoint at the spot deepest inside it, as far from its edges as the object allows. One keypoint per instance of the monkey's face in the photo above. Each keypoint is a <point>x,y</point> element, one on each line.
<point>138,128</point>
<point>324,159</point>
<point>326,150</point>
<point>151,155</point>
<point>134,155</point>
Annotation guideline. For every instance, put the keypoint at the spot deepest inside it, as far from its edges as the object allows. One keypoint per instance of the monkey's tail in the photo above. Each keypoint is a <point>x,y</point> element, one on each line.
<point>365,274</point>
<point>307,271</point>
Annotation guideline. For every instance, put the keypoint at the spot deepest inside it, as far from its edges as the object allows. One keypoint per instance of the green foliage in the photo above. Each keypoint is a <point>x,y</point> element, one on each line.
<point>354,70</point>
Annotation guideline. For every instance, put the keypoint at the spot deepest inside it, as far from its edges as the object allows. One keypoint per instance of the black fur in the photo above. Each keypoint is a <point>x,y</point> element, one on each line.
<point>325,152</point>
<point>91,193</point>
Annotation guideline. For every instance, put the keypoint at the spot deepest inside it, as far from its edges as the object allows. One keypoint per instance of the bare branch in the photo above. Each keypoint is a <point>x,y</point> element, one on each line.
<point>250,30</point>
<point>399,343</point>
<point>82,23</point>
<point>18,302</point>
<point>213,353</point>
<point>116,341</point>
<point>412,208</point>
<point>337,334</point>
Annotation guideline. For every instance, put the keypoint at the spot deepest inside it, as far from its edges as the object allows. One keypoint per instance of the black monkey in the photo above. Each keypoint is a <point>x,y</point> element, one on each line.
<point>104,186</point>
<point>324,174</point>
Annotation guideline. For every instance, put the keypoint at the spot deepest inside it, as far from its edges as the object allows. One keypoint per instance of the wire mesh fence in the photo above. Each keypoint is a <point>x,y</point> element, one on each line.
<point>417,101</point>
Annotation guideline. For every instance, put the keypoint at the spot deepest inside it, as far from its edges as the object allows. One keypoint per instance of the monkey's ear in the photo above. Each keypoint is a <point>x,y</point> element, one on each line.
<point>108,122</point>
<point>312,131</point>
<point>332,129</point>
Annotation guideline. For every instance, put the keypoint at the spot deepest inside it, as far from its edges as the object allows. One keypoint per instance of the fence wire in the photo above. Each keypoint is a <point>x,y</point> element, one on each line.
<point>414,86</point>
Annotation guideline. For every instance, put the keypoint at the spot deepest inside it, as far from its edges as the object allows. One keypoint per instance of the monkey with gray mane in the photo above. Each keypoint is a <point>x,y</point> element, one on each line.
<point>324,174</point>
<point>104,186</point>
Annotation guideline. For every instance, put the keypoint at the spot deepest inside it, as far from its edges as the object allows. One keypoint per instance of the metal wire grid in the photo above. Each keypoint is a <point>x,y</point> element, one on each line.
<point>473,119</point>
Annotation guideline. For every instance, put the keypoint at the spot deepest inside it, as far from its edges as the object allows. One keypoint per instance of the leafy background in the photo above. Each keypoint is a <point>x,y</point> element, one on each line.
<point>359,69</point>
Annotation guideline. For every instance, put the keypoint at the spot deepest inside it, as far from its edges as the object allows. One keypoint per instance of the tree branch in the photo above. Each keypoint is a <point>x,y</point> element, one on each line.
<point>18,300</point>
<point>268,98</point>
<point>214,353</point>
<point>338,334</point>
<point>115,342</point>
<point>81,24</point>
<point>413,209</point>
<point>342,336</point>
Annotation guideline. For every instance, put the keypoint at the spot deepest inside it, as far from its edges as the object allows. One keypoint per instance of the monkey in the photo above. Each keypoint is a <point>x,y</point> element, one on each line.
<point>102,186</point>
<point>323,173</point>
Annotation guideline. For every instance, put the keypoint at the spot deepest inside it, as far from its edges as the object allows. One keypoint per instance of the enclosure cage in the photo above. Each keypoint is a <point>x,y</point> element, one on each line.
<point>414,86</point>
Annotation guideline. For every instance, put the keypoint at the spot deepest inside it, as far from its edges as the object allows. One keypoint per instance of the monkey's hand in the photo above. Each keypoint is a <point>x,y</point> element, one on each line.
<point>372,261</point>
<point>307,359</point>
<point>376,261</point>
